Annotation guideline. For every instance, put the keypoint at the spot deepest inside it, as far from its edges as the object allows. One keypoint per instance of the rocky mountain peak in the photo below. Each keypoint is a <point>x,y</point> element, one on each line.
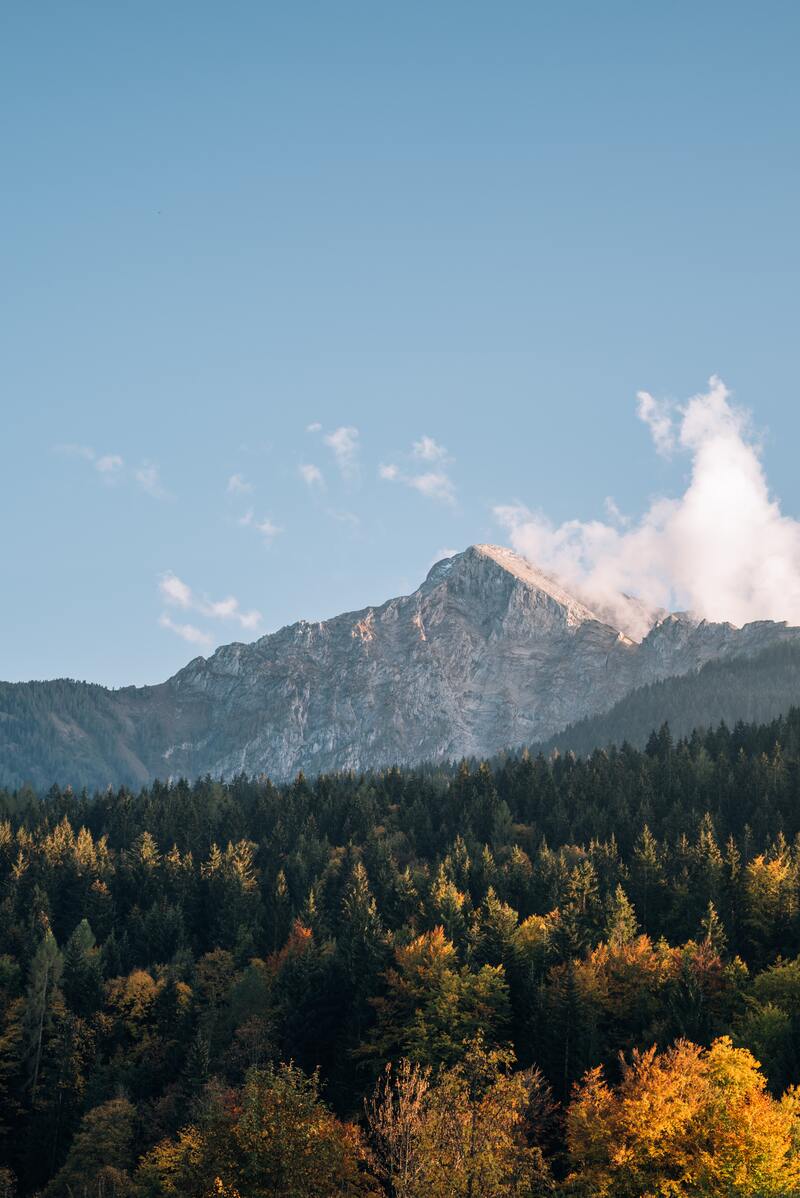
<point>486,567</point>
<point>535,579</point>
<point>488,653</point>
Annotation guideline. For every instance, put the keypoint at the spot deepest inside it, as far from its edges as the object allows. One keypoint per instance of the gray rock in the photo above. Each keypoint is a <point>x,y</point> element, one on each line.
<point>488,653</point>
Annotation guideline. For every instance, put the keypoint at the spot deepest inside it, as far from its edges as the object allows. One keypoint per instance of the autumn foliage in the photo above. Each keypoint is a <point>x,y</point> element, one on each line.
<point>498,980</point>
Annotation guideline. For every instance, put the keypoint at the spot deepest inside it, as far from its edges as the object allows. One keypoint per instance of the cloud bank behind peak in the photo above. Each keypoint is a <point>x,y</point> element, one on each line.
<point>723,549</point>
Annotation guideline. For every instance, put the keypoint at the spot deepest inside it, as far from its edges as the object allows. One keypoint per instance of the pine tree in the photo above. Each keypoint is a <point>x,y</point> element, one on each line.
<point>279,911</point>
<point>621,926</point>
<point>361,944</point>
<point>82,976</point>
<point>446,908</point>
<point>45,975</point>
<point>647,880</point>
<point>713,930</point>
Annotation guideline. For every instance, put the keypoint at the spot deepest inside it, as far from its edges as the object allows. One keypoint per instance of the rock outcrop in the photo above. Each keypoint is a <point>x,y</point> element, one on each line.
<point>488,653</point>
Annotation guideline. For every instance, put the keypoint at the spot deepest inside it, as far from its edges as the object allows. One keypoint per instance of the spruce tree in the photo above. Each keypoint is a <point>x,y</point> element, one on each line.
<point>621,926</point>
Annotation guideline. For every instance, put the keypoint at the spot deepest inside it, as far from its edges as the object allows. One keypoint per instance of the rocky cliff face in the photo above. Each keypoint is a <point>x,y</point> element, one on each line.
<point>488,653</point>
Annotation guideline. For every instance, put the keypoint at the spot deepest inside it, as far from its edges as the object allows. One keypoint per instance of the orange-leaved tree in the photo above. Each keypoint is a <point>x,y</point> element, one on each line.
<point>687,1121</point>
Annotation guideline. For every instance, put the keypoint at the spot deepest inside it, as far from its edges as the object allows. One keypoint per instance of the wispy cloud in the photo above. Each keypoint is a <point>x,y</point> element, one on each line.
<point>238,485</point>
<point>111,468</point>
<point>266,526</point>
<point>344,444</point>
<point>176,593</point>
<point>434,483</point>
<point>109,465</point>
<point>314,427</point>
<point>228,609</point>
<point>345,517</point>
<point>148,478</point>
<point>311,475</point>
<point>427,450</point>
<point>268,529</point>
<point>657,415</point>
<point>613,512</point>
<point>187,632</point>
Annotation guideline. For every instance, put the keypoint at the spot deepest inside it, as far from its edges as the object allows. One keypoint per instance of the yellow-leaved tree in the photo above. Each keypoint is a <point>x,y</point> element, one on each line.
<point>470,1133</point>
<point>687,1121</point>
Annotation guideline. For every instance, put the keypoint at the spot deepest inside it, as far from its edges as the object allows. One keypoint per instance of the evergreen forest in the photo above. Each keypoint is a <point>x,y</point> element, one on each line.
<point>542,974</point>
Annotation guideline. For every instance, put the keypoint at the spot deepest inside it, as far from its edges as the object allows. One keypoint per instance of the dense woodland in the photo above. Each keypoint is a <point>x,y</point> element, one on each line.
<point>531,976</point>
<point>755,689</point>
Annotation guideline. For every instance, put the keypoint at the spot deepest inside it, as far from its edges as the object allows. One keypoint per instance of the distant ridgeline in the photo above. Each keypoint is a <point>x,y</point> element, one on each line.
<point>489,653</point>
<point>749,689</point>
<point>563,971</point>
<point>70,732</point>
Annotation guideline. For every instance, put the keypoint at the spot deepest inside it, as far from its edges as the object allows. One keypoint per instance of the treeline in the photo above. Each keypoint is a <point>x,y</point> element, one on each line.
<point>754,689</point>
<point>85,735</point>
<point>75,731</point>
<point>521,977</point>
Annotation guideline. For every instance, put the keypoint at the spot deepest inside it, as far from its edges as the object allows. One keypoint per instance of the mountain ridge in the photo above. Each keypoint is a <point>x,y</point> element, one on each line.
<point>489,652</point>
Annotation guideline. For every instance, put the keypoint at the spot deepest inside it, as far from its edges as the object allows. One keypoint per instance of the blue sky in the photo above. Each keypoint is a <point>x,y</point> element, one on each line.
<point>488,226</point>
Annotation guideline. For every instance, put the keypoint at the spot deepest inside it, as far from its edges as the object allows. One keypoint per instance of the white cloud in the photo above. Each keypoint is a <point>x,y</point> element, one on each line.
<point>223,609</point>
<point>111,467</point>
<point>657,415</point>
<point>238,485</point>
<point>187,632</point>
<point>268,529</point>
<point>428,450</point>
<point>345,445</point>
<point>147,477</point>
<point>314,427</point>
<point>613,512</point>
<point>311,475</point>
<point>249,620</point>
<point>109,463</point>
<point>434,483</point>
<point>228,609</point>
<point>723,549</point>
<point>175,592</point>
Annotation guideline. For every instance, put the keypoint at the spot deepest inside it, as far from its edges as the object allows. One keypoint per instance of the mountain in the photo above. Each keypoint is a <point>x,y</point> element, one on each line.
<point>487,653</point>
<point>753,689</point>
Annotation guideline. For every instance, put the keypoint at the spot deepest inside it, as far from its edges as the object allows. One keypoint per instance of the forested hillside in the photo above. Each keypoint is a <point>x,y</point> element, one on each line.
<point>536,976</point>
<point>753,689</point>
<point>72,731</point>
